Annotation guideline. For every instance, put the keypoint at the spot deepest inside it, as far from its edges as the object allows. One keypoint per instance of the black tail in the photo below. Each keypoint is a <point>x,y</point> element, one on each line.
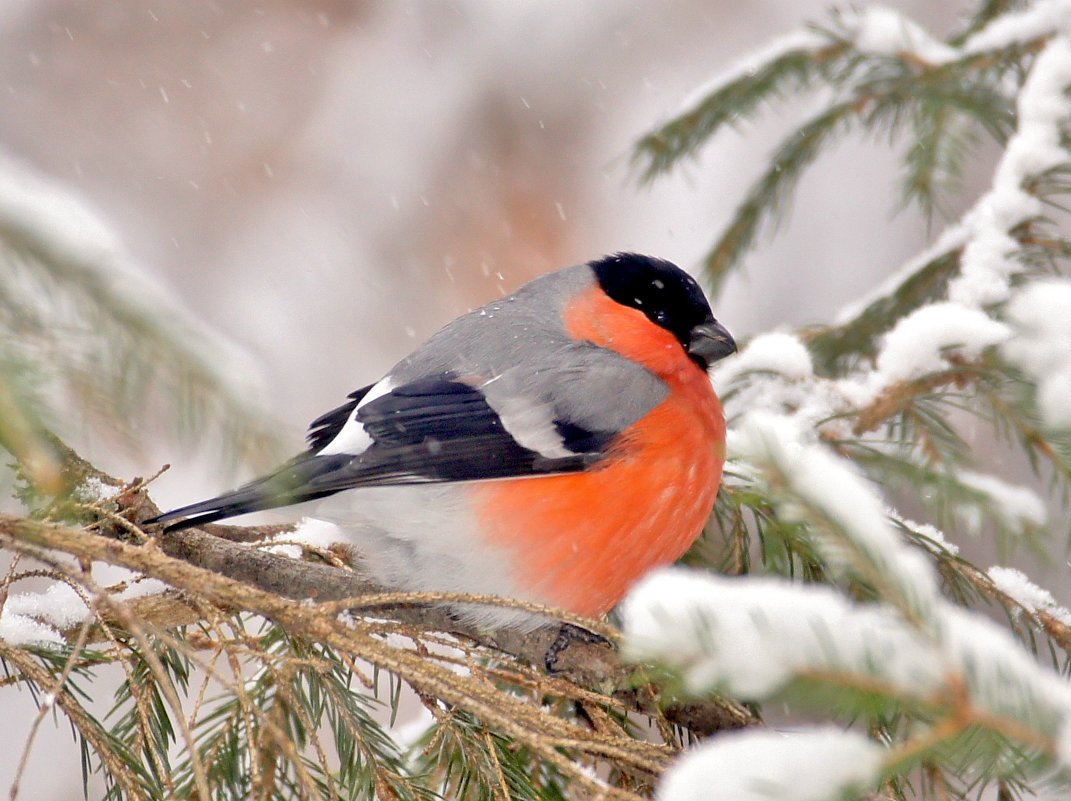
<point>232,504</point>
<point>253,497</point>
<point>294,483</point>
<point>190,522</point>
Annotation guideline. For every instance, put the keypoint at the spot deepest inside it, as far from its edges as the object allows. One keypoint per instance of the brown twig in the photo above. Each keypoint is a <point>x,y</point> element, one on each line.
<point>543,733</point>
<point>898,396</point>
<point>185,559</point>
<point>214,571</point>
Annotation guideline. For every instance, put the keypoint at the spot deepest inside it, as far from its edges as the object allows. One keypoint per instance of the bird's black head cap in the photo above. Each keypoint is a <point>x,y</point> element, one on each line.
<point>668,296</point>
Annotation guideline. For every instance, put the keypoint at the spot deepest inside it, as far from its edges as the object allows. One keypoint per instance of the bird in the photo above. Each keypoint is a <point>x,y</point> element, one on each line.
<point>552,446</point>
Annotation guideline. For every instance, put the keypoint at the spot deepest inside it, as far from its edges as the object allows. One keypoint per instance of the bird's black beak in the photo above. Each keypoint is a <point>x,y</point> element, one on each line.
<point>709,342</point>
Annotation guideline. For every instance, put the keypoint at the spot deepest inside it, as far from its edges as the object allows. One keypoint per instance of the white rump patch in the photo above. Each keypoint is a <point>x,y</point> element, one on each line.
<point>352,438</point>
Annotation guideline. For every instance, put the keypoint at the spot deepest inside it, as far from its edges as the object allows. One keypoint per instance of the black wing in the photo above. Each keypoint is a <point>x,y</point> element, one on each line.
<point>430,430</point>
<point>442,429</point>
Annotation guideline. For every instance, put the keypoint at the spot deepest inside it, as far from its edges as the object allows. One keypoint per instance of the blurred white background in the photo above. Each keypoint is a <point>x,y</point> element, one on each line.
<point>327,183</point>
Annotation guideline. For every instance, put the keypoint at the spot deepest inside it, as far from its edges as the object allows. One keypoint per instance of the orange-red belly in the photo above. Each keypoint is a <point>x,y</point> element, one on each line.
<point>580,541</point>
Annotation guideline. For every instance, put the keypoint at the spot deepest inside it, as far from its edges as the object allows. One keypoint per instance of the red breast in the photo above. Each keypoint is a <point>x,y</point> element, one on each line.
<point>581,540</point>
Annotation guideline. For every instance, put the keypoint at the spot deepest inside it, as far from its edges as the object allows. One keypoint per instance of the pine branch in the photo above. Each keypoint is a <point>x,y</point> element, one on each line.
<point>970,689</point>
<point>117,761</point>
<point>943,104</point>
<point>213,578</point>
<point>987,11</point>
<point>543,734</point>
<point>769,195</point>
<point>835,346</point>
<point>23,432</point>
<point>943,138</point>
<point>587,663</point>
<point>89,334</point>
<point>789,66</point>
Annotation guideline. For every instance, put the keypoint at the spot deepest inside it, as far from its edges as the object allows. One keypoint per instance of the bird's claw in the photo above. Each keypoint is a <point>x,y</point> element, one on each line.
<point>567,635</point>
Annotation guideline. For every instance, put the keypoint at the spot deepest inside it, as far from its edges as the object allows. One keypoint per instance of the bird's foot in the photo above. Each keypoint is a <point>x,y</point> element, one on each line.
<point>567,635</point>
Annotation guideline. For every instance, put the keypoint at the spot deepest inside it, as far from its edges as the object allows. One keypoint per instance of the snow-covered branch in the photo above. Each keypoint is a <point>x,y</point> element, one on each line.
<point>91,332</point>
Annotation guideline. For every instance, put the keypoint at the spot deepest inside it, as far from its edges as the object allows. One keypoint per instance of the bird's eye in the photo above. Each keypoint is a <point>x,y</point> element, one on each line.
<point>661,317</point>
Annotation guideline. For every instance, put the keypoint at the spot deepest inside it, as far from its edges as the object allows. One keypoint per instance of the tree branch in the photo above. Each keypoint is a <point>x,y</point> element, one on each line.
<point>192,560</point>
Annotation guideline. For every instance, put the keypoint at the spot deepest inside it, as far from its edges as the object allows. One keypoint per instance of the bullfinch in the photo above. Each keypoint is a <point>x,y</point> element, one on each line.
<point>551,446</point>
